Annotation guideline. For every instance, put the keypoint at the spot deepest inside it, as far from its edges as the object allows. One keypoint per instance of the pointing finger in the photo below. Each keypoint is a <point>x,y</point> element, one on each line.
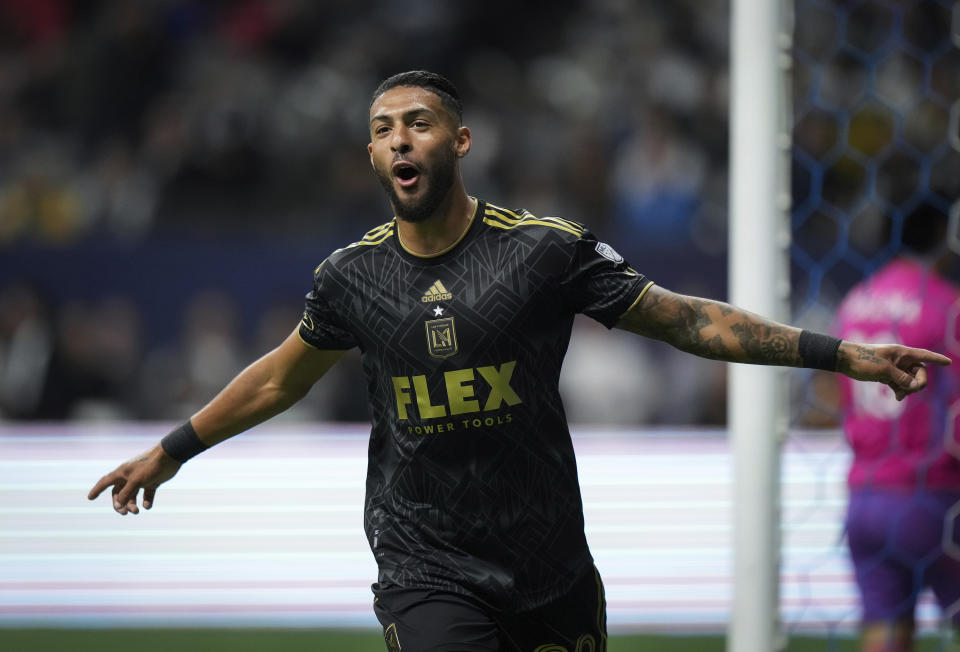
<point>922,355</point>
<point>102,484</point>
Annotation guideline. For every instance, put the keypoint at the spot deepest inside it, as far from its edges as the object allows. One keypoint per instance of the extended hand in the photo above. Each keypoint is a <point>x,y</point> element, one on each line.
<point>147,471</point>
<point>901,368</point>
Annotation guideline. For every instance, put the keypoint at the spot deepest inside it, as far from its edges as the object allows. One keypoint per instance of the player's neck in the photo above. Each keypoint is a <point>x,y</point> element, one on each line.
<point>439,232</point>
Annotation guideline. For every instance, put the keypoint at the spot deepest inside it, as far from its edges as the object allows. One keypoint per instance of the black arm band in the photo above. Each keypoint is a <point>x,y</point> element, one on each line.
<point>818,351</point>
<point>183,443</point>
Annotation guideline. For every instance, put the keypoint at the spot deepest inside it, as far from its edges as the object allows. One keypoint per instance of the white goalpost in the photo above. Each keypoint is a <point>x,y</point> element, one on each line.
<point>759,281</point>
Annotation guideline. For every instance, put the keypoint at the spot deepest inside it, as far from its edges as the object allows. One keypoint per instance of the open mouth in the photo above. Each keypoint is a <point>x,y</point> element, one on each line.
<point>406,173</point>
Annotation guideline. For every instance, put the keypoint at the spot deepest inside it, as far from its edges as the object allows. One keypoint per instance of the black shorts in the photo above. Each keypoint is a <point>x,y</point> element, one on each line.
<point>427,620</point>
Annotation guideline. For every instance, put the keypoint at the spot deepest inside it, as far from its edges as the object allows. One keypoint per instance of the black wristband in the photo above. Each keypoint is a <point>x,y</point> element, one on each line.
<point>183,443</point>
<point>818,351</point>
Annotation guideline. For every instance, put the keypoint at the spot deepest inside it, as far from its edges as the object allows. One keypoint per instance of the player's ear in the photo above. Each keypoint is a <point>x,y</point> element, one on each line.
<point>370,152</point>
<point>462,141</point>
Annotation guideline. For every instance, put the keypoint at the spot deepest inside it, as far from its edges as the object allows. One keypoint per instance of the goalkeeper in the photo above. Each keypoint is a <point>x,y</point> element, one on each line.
<point>905,477</point>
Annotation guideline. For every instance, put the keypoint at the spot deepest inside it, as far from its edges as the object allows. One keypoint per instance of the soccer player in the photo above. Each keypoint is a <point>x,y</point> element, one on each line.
<point>905,475</point>
<point>462,311</point>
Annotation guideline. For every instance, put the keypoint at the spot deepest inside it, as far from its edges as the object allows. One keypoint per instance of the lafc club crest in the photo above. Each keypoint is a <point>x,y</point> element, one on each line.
<point>441,337</point>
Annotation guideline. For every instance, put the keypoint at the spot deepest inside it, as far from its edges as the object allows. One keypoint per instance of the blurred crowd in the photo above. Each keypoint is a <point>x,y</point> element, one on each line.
<point>123,119</point>
<point>131,131</point>
<point>874,85</point>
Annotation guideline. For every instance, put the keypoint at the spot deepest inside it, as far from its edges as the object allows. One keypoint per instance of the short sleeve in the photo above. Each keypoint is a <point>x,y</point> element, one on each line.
<point>598,281</point>
<point>321,326</point>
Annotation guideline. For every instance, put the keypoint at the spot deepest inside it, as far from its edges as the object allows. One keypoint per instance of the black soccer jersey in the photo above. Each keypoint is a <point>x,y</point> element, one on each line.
<point>471,481</point>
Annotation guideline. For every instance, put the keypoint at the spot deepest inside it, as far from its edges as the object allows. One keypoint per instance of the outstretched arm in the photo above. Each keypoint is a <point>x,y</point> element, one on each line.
<point>716,330</point>
<point>265,388</point>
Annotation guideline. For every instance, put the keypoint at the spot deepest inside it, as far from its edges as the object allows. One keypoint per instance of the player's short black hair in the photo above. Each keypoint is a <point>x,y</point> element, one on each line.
<point>431,81</point>
<point>924,228</point>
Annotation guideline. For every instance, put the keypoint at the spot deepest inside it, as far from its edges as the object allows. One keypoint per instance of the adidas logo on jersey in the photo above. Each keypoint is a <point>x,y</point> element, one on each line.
<point>436,293</point>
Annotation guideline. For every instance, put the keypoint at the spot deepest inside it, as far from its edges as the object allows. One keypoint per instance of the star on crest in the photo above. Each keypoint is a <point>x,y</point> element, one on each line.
<point>438,311</point>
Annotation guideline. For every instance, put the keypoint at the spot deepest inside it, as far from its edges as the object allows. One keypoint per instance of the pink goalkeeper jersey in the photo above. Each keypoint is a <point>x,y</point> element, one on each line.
<point>914,443</point>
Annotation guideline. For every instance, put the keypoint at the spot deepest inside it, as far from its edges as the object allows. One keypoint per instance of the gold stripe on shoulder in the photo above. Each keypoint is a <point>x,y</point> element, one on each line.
<point>512,218</point>
<point>494,221</point>
<point>562,227</point>
<point>388,234</point>
<point>378,231</point>
<point>570,223</point>
<point>500,218</point>
<point>506,212</point>
<point>372,237</point>
<point>567,223</point>
<point>500,215</point>
<point>499,225</point>
<point>317,270</point>
<point>497,216</point>
<point>374,242</point>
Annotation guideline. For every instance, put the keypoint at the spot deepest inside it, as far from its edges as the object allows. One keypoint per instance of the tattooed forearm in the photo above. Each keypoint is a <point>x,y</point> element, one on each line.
<point>765,342</point>
<point>712,329</point>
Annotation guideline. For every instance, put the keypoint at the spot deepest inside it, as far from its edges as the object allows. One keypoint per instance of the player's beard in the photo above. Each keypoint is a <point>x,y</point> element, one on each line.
<point>439,178</point>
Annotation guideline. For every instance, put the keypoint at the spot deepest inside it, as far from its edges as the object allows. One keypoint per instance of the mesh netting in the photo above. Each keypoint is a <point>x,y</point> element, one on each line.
<point>876,174</point>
